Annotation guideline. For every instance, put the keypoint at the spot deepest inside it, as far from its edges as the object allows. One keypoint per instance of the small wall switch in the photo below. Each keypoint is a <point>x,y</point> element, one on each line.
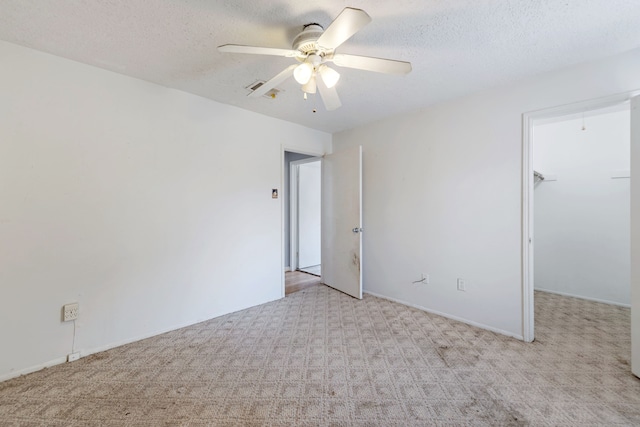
<point>70,312</point>
<point>73,357</point>
<point>462,286</point>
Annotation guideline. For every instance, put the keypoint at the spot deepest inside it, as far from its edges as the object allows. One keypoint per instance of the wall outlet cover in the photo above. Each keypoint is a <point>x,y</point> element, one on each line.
<point>73,357</point>
<point>70,312</point>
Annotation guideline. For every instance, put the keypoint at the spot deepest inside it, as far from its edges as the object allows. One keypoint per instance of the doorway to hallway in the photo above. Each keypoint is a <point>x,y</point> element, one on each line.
<point>305,205</point>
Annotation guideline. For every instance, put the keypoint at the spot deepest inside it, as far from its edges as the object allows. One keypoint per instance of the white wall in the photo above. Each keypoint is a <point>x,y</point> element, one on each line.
<point>150,207</point>
<point>582,220</point>
<point>443,193</point>
<point>309,213</point>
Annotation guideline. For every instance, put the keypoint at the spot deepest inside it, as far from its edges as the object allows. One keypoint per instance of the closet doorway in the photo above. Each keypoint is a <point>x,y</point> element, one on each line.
<point>529,179</point>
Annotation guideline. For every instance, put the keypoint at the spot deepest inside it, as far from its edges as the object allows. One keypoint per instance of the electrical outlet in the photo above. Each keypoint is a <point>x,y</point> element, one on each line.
<point>73,357</point>
<point>425,278</point>
<point>462,286</point>
<point>70,312</point>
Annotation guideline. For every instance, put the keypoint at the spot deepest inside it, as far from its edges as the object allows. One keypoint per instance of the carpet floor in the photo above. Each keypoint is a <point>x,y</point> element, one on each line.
<point>321,358</point>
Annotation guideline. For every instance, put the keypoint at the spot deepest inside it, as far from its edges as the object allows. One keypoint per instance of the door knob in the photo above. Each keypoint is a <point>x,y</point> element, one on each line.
<point>357,230</point>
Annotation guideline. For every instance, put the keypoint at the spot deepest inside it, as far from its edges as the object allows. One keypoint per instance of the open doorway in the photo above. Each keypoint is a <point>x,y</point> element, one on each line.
<point>302,215</point>
<point>341,221</point>
<point>538,182</point>
<point>306,194</point>
<point>529,180</point>
<point>577,261</point>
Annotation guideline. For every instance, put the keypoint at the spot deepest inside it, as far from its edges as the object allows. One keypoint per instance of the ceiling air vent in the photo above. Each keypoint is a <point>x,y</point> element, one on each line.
<point>254,86</point>
<point>272,94</point>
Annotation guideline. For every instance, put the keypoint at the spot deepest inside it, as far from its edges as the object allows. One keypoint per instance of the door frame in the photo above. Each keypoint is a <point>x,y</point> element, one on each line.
<point>294,211</point>
<point>528,123</point>
<point>292,149</point>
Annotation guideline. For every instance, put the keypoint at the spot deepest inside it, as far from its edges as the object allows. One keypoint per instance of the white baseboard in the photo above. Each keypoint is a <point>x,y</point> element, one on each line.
<point>25,371</point>
<point>287,269</point>
<point>565,294</point>
<point>448,316</point>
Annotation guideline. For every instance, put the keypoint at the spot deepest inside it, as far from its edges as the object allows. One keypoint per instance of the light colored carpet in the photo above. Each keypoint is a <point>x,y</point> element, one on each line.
<point>321,358</point>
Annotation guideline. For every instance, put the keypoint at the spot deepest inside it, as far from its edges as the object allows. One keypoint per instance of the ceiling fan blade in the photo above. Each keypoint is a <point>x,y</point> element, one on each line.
<point>379,65</point>
<point>349,22</point>
<point>273,82</point>
<point>257,50</point>
<point>329,96</point>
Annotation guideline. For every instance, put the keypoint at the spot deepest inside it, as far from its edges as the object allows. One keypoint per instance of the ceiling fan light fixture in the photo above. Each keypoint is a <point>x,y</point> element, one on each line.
<point>314,46</point>
<point>329,76</point>
<point>303,72</point>
<point>310,86</point>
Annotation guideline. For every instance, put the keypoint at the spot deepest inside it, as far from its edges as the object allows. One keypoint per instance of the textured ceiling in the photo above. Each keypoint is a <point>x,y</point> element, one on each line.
<point>455,46</point>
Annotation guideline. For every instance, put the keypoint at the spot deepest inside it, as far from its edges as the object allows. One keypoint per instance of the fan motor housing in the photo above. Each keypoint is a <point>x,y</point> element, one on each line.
<point>306,40</point>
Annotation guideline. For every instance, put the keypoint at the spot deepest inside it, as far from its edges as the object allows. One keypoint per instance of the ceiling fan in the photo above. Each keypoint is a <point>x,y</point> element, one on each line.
<point>313,48</point>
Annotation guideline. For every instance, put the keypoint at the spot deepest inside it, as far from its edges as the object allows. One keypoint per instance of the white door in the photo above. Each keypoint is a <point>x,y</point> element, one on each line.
<point>635,235</point>
<point>342,221</point>
<point>309,197</point>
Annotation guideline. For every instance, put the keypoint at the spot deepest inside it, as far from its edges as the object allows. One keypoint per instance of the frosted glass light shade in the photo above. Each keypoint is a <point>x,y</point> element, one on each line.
<point>310,86</point>
<point>303,72</point>
<point>329,76</point>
